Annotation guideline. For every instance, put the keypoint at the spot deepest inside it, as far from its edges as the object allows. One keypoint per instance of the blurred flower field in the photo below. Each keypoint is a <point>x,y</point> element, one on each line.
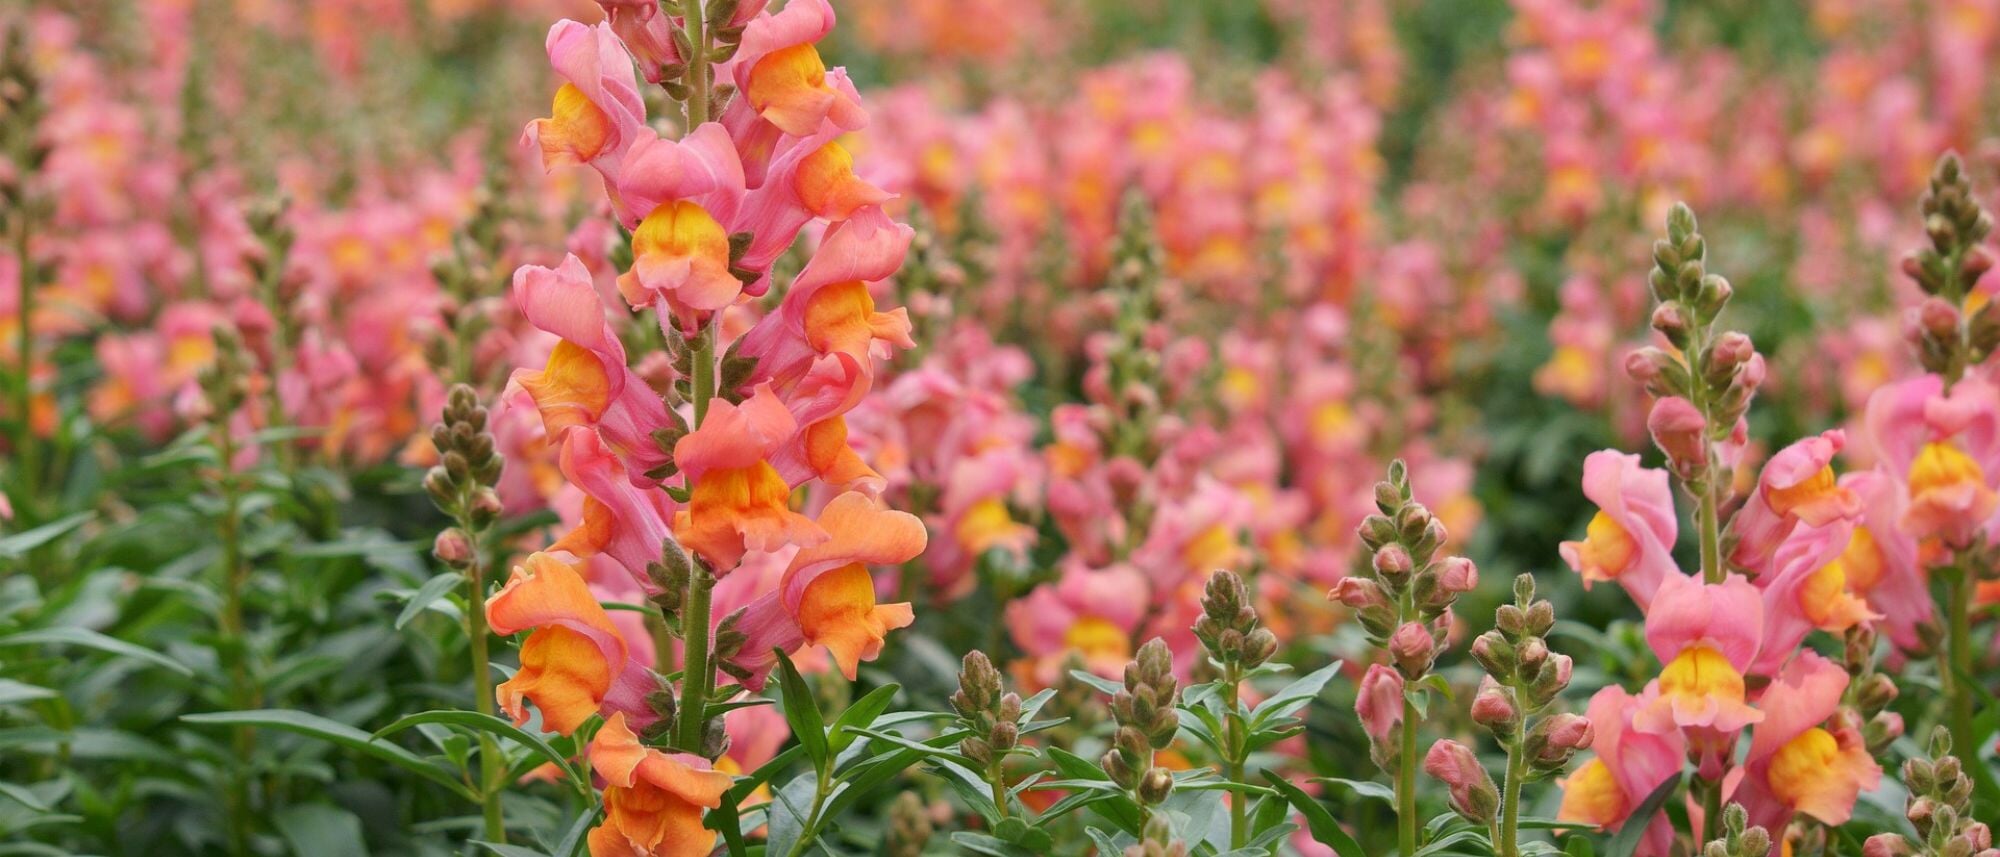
<point>906,427</point>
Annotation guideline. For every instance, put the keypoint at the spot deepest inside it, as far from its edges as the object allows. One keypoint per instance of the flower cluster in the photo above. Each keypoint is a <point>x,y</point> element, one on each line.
<point>688,466</point>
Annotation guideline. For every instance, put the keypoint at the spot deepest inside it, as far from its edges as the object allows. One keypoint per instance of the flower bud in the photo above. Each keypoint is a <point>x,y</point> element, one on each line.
<point>1541,618</point>
<point>1938,318</point>
<point>1379,703</point>
<point>1413,648</point>
<point>1359,593</point>
<point>1731,349</point>
<point>1887,845</point>
<point>1681,432</point>
<point>1156,786</point>
<point>1457,575</point>
<point>453,548</point>
<point>1494,708</point>
<point>1472,791</point>
<point>1393,563</point>
<point>1494,653</point>
<point>1566,734</point>
<point>1672,321</point>
<point>1877,692</point>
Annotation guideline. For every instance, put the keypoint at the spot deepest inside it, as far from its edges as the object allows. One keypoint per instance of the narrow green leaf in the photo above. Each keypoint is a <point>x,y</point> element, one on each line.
<point>19,544</point>
<point>1626,843</point>
<point>1319,822</point>
<point>802,713</point>
<point>476,721</point>
<point>314,726</point>
<point>21,795</point>
<point>92,640</point>
<point>432,590</point>
<point>862,711</point>
<point>13,692</point>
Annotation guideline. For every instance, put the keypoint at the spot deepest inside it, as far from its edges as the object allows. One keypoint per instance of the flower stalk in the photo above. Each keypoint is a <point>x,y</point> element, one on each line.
<point>461,485</point>
<point>224,393</point>
<point>1403,600</point>
<point>1704,385</point>
<point>1231,632</point>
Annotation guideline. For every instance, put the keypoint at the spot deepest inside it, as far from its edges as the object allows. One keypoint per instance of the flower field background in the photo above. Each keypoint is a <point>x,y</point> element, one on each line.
<point>900,427</point>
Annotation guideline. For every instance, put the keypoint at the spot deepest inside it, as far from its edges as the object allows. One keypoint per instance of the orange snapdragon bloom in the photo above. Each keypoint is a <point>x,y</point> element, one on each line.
<point>737,501</point>
<point>828,588</point>
<point>653,800</point>
<point>574,663</point>
<point>826,597</point>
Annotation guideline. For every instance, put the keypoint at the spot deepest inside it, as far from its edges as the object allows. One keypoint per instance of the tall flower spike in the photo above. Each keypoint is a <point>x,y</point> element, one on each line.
<point>1947,270</point>
<point>1147,721</point>
<point>1229,627</point>
<point>992,714</point>
<point>1704,384</point>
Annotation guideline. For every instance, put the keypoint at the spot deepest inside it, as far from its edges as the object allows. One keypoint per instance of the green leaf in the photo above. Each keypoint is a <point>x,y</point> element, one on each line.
<point>1319,822</point>
<point>503,850</point>
<point>320,830</point>
<point>1634,830</point>
<point>432,590</point>
<point>1300,693</point>
<point>1364,788</point>
<point>980,843</point>
<point>1104,685</point>
<point>802,713</point>
<point>314,726</point>
<point>19,544</point>
<point>572,842</point>
<point>476,721</point>
<point>862,711</point>
<point>92,640</point>
<point>21,795</point>
<point>14,693</point>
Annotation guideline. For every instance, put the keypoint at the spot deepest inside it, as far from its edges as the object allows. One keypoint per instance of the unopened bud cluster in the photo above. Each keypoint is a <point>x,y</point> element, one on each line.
<point>1939,808</point>
<point>910,827</point>
<point>1157,839</point>
<point>987,710</point>
<point>1739,837</point>
<point>1132,361</point>
<point>1522,679</point>
<point>226,382</point>
<point>1147,721</point>
<point>461,483</point>
<point>1869,693</point>
<point>22,110</point>
<point>1948,270</point>
<point>1229,627</point>
<point>1704,384</point>
<point>1404,598</point>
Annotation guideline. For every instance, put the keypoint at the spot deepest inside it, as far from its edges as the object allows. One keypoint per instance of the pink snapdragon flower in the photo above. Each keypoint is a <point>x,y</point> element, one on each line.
<point>1630,539</point>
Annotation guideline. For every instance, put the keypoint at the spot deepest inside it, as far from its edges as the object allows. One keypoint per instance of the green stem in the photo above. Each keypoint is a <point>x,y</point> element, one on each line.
<point>1711,534</point>
<point>1235,743</point>
<point>1960,589</point>
<point>697,65</point>
<point>698,674</point>
<point>1711,811</point>
<point>1406,784</point>
<point>493,769</point>
<point>24,405</point>
<point>810,830</point>
<point>998,780</point>
<point>1508,843</point>
<point>235,578</point>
